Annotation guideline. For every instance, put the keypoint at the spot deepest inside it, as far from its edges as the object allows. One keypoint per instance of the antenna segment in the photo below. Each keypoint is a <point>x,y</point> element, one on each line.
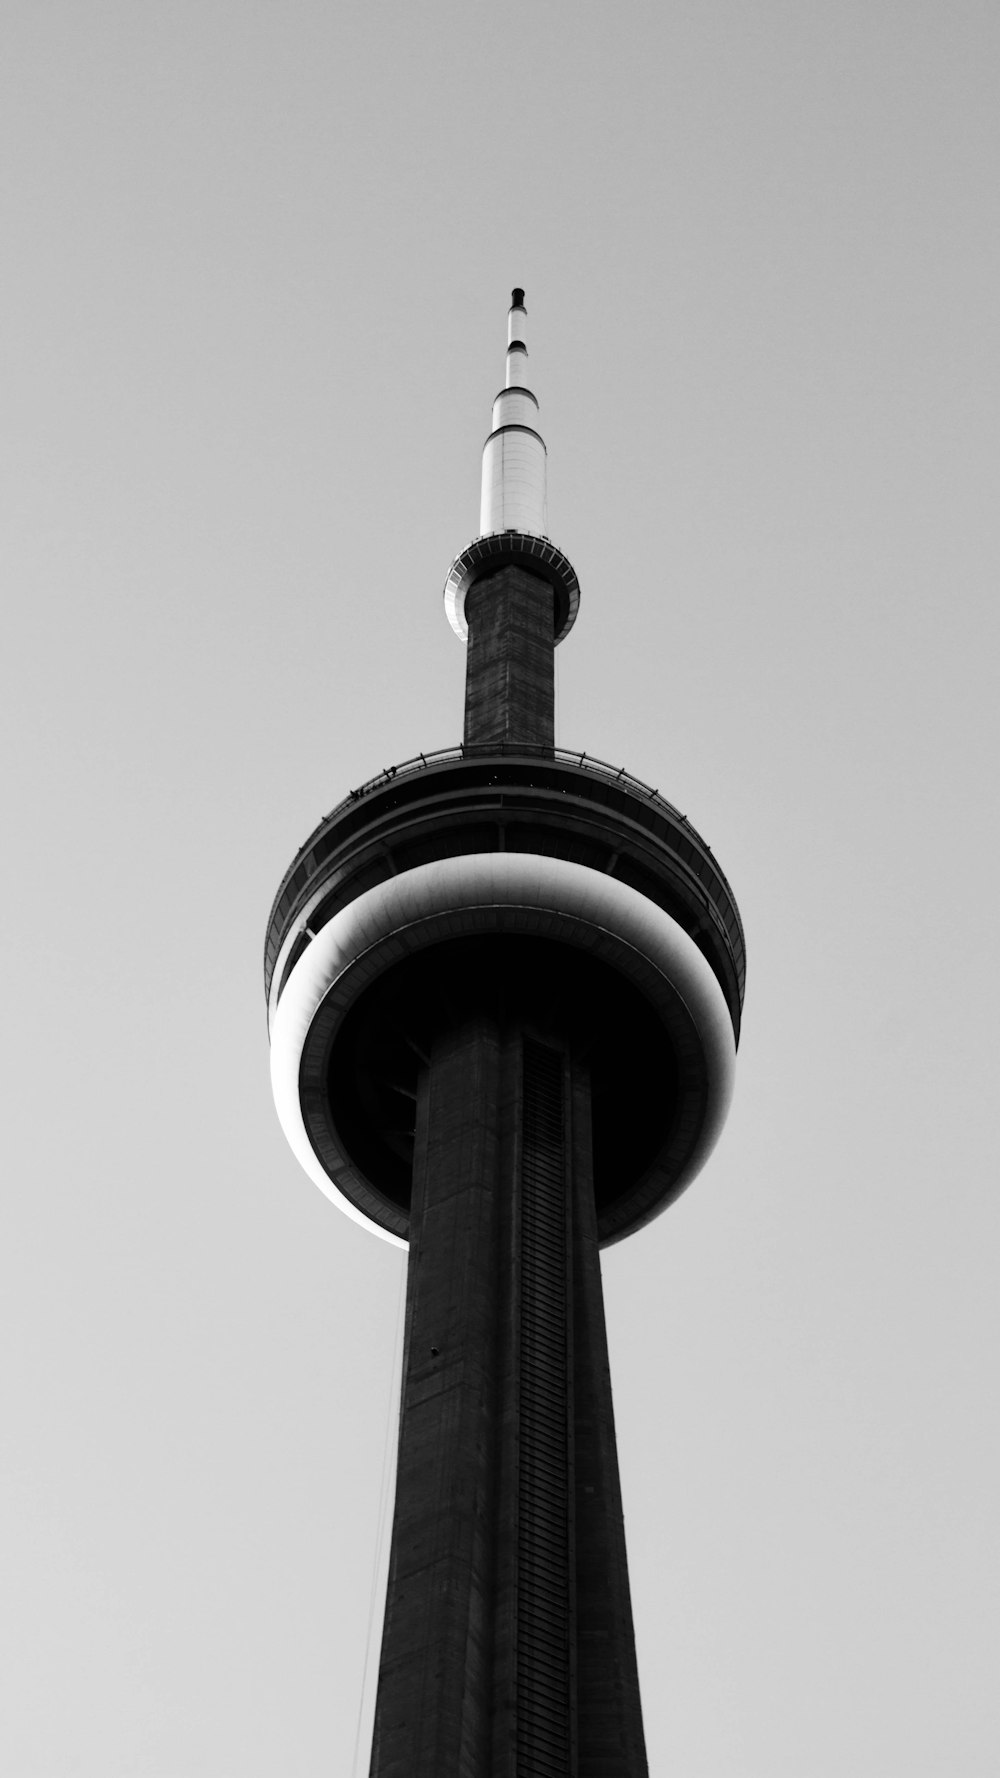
<point>513,497</point>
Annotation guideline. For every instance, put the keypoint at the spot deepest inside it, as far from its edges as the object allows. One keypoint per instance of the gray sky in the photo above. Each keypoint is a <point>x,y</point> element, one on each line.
<point>257,262</point>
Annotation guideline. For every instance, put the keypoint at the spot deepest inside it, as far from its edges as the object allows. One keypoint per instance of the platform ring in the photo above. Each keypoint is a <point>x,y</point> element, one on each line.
<point>511,892</point>
<point>521,549</point>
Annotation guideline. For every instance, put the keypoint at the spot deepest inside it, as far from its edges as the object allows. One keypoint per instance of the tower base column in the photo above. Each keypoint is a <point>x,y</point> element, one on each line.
<point>508,1649</point>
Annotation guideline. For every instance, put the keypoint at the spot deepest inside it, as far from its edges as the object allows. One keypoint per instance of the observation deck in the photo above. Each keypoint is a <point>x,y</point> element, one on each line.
<point>495,799</point>
<point>540,877</point>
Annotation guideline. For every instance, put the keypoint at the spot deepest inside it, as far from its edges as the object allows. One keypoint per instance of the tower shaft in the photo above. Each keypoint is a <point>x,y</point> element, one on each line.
<point>510,665</point>
<point>508,1648</point>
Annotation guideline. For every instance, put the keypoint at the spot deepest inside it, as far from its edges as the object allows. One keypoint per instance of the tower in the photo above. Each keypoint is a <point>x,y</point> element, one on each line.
<point>504,988</point>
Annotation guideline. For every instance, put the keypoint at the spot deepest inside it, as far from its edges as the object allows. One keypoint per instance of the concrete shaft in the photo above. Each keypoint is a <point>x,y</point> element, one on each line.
<point>508,1649</point>
<point>510,669</point>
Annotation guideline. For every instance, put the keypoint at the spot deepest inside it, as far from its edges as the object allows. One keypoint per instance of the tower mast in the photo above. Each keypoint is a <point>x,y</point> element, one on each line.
<point>514,455</point>
<point>505,988</point>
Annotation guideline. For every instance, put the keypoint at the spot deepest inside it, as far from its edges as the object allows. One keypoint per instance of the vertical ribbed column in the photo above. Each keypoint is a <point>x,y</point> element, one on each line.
<point>545,1713</point>
<point>609,1719</point>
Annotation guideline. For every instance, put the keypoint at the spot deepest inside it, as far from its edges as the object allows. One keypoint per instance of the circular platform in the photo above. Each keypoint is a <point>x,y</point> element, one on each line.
<point>530,881</point>
<point>524,550</point>
<point>530,938</point>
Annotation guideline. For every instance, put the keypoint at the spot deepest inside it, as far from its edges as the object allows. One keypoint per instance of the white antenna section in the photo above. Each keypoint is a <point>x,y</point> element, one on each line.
<point>514,454</point>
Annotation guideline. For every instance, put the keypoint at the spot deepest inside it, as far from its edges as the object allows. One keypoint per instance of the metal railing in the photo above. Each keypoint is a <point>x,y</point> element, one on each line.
<point>718,899</point>
<point>562,755</point>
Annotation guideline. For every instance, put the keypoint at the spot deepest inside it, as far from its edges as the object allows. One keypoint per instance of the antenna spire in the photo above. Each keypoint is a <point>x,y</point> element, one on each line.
<point>513,497</point>
<point>512,514</point>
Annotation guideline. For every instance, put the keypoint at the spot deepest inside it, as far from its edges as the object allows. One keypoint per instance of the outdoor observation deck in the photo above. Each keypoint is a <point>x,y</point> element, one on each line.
<point>517,799</point>
<point>360,1062</point>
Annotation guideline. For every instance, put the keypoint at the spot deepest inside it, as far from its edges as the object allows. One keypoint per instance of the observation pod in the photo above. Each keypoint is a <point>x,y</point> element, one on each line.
<point>502,874</point>
<point>504,988</point>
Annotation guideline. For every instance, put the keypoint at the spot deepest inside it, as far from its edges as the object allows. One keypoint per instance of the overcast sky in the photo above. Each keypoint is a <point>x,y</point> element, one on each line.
<point>257,260</point>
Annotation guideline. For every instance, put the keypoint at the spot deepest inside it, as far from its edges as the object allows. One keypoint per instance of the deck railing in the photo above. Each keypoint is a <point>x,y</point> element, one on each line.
<point>563,755</point>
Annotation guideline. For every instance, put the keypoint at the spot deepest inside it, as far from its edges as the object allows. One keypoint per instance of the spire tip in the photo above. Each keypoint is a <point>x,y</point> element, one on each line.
<point>517,299</point>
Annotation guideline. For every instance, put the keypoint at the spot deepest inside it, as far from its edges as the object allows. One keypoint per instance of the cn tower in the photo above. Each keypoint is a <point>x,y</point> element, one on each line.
<point>504,989</point>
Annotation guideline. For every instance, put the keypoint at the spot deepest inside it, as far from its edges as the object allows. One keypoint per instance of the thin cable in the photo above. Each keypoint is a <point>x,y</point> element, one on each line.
<point>385,1494</point>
